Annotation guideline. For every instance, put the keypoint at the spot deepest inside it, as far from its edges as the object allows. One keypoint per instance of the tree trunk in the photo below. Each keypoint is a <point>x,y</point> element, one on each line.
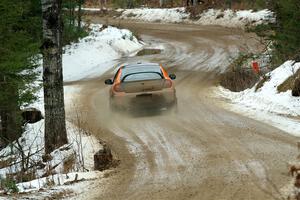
<point>2,114</point>
<point>130,4</point>
<point>70,13</point>
<point>101,2</point>
<point>10,126</point>
<point>73,14</point>
<point>188,3</point>
<point>79,14</point>
<point>161,3</point>
<point>171,3</point>
<point>296,87</point>
<point>55,125</point>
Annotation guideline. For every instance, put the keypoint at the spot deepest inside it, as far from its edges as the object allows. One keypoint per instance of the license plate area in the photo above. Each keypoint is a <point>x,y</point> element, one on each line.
<point>143,96</point>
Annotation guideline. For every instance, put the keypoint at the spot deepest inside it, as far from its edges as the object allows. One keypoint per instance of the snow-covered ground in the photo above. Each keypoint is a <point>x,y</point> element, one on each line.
<point>90,57</point>
<point>227,18</point>
<point>240,19</point>
<point>78,152</point>
<point>281,110</point>
<point>167,15</point>
<point>81,149</point>
<point>98,52</point>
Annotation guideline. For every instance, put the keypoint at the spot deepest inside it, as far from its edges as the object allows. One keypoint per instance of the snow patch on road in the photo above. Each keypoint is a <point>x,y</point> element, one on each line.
<point>281,110</point>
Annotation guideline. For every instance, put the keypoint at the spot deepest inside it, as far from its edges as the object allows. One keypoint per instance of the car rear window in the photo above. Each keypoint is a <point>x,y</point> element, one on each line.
<point>143,76</point>
<point>141,72</point>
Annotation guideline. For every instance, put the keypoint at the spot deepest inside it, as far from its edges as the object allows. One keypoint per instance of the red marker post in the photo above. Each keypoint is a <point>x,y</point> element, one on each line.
<point>255,67</point>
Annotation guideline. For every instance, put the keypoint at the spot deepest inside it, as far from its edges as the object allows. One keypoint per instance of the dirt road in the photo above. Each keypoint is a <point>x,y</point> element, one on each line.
<point>203,151</point>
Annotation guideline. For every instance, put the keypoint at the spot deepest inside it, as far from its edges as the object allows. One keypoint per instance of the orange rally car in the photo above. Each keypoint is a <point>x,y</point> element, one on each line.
<point>146,85</point>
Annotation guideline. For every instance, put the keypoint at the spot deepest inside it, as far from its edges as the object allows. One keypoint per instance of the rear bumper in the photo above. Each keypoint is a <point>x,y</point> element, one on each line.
<point>156,99</point>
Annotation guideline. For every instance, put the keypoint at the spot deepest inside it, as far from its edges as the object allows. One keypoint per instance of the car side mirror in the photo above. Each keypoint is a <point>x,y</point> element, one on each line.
<point>108,82</point>
<point>172,76</point>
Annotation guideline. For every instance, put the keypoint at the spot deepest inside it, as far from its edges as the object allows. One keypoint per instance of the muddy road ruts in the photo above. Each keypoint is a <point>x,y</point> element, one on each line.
<point>203,151</point>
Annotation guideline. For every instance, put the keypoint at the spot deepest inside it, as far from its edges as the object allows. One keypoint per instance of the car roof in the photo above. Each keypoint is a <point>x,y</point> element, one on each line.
<point>140,68</point>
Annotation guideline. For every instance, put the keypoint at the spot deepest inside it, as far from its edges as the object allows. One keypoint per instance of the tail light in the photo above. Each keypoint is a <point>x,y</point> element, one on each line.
<point>118,88</point>
<point>168,83</point>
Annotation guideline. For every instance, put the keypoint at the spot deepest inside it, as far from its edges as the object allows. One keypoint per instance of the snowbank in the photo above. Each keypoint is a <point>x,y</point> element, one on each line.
<point>282,110</point>
<point>78,153</point>
<point>227,18</point>
<point>240,19</point>
<point>167,15</point>
<point>81,145</point>
<point>57,179</point>
<point>97,53</point>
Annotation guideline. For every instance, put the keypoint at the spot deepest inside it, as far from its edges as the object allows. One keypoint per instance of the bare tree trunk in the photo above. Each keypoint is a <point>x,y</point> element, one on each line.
<point>4,128</point>
<point>10,128</point>
<point>2,115</point>
<point>101,2</point>
<point>296,87</point>
<point>172,3</point>
<point>55,125</point>
<point>161,3</point>
<point>73,14</point>
<point>188,3</point>
<point>70,12</point>
<point>79,14</point>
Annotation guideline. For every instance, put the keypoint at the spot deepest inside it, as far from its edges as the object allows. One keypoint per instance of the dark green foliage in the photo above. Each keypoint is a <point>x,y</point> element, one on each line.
<point>260,4</point>
<point>284,33</point>
<point>9,185</point>
<point>127,3</point>
<point>262,30</point>
<point>20,31</point>
<point>19,42</point>
<point>72,33</point>
<point>253,4</point>
<point>287,29</point>
<point>72,28</point>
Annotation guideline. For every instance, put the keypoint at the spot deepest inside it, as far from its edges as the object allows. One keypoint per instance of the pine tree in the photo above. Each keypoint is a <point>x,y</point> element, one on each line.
<point>287,29</point>
<point>19,42</point>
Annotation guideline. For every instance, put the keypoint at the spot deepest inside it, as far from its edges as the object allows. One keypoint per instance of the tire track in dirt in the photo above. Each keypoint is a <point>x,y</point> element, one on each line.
<point>204,151</point>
